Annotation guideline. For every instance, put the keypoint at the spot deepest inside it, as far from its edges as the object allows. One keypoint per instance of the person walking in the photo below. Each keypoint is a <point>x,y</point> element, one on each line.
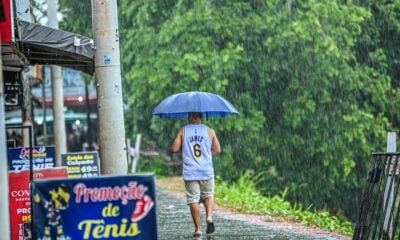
<point>198,143</point>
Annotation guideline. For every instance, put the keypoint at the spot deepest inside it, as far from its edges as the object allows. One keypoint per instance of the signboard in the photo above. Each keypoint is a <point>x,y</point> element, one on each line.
<point>13,88</point>
<point>20,198</point>
<point>108,207</point>
<point>43,157</point>
<point>7,26</point>
<point>83,164</point>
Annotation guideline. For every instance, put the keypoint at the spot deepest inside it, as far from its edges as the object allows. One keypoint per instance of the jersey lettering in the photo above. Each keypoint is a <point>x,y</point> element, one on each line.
<point>197,151</point>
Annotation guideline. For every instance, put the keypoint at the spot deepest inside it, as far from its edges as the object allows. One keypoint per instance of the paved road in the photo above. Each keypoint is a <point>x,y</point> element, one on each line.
<point>174,222</point>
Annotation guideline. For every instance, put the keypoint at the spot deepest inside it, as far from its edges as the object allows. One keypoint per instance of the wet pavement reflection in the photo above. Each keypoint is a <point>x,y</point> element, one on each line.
<point>175,222</point>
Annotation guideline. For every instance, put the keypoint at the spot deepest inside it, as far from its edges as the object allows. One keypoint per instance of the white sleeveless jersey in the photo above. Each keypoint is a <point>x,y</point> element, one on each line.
<point>196,153</point>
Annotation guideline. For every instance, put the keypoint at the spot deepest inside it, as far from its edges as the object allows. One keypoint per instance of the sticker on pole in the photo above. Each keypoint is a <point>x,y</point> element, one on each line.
<point>110,207</point>
<point>107,60</point>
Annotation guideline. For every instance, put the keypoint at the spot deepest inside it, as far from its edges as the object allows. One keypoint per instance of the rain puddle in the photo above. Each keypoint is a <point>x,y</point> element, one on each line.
<point>175,222</point>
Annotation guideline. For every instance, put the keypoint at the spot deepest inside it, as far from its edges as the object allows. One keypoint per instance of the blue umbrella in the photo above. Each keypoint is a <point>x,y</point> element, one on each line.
<point>179,105</point>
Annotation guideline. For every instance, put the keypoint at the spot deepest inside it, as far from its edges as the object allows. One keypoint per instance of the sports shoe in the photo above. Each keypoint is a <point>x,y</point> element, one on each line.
<point>142,208</point>
<point>210,228</point>
<point>197,234</point>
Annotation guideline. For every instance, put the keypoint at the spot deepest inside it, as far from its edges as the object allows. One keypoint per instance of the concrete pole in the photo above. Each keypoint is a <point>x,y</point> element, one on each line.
<point>389,189</point>
<point>44,110</point>
<point>57,92</point>
<point>26,109</point>
<point>4,200</point>
<point>109,90</point>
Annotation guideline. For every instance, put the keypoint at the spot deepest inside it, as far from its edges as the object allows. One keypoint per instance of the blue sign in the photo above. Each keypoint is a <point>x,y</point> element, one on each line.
<point>42,157</point>
<point>107,207</point>
<point>107,60</point>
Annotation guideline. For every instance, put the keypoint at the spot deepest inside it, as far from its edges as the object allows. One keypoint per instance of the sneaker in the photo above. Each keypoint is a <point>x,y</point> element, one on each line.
<point>142,208</point>
<point>210,228</point>
<point>197,234</point>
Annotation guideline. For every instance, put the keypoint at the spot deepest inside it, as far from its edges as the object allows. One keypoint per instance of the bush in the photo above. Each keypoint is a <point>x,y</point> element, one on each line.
<point>244,197</point>
<point>156,165</point>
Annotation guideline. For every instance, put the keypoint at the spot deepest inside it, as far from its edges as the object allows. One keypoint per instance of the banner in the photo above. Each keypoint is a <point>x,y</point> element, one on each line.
<point>80,165</point>
<point>20,199</point>
<point>7,26</point>
<point>107,207</point>
<point>43,157</point>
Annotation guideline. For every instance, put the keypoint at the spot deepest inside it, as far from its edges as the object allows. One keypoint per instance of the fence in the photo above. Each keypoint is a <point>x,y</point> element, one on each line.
<point>379,210</point>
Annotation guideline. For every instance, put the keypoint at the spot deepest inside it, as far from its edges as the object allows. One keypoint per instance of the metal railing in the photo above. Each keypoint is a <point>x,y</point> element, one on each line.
<point>379,210</point>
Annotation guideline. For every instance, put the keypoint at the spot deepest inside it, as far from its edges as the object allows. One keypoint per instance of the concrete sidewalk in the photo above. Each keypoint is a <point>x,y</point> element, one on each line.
<point>175,222</point>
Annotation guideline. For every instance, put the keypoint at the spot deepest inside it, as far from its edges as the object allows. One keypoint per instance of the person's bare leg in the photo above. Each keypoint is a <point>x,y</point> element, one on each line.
<point>209,206</point>
<point>195,211</point>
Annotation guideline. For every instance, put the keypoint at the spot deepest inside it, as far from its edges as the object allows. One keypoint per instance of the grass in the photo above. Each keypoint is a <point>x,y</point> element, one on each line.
<point>243,197</point>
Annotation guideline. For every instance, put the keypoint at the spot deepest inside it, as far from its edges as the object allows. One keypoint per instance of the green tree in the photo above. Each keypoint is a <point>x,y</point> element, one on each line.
<point>291,71</point>
<point>377,47</point>
<point>314,103</point>
<point>77,17</point>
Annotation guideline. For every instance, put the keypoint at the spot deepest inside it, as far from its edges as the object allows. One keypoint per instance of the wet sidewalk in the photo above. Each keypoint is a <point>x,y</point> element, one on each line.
<point>175,222</point>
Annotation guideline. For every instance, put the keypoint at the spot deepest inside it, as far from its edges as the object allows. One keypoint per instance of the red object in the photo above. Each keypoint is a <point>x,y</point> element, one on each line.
<point>7,26</point>
<point>20,197</point>
<point>142,208</point>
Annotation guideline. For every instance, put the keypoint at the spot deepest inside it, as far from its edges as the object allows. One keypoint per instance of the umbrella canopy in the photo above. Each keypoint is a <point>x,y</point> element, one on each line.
<point>179,105</point>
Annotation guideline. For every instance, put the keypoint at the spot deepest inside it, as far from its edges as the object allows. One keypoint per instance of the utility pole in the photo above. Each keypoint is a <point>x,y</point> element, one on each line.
<point>109,90</point>
<point>26,108</point>
<point>5,201</point>
<point>57,91</point>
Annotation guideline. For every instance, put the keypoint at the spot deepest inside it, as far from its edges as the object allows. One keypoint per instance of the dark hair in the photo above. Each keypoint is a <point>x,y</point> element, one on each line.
<point>65,188</point>
<point>196,114</point>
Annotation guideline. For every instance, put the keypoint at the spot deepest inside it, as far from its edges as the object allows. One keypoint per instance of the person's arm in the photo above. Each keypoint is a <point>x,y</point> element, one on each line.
<point>177,144</point>
<point>215,147</point>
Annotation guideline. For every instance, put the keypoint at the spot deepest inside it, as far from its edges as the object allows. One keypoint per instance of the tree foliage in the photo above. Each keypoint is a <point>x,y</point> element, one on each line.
<point>76,17</point>
<point>314,82</point>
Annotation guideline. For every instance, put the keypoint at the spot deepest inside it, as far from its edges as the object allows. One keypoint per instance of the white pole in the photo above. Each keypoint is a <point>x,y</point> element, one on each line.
<point>4,200</point>
<point>109,90</point>
<point>137,152</point>
<point>391,142</point>
<point>128,151</point>
<point>389,189</point>
<point>57,92</point>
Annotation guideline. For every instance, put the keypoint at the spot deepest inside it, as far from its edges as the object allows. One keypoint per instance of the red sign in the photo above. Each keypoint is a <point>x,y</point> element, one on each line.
<point>20,198</point>
<point>7,26</point>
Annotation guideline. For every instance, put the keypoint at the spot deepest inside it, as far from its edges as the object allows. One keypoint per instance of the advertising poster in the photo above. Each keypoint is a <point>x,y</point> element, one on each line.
<point>7,26</point>
<point>42,156</point>
<point>106,207</point>
<point>81,165</point>
<point>20,199</point>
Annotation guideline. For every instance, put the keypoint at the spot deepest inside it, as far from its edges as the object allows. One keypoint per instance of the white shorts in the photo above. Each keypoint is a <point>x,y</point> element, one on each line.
<point>198,190</point>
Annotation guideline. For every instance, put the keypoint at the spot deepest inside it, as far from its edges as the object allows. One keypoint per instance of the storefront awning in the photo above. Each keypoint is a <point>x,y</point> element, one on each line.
<point>45,45</point>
